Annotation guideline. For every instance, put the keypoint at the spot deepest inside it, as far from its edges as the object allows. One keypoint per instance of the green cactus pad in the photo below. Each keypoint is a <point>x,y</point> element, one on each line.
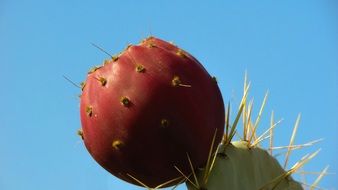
<point>238,167</point>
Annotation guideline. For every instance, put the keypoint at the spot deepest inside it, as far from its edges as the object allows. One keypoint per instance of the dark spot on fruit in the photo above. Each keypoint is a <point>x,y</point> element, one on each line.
<point>93,69</point>
<point>151,45</point>
<point>82,85</point>
<point>164,123</point>
<point>80,133</point>
<point>140,68</point>
<point>102,80</point>
<point>89,111</point>
<point>176,81</point>
<point>117,144</point>
<point>181,53</point>
<point>115,58</point>
<point>125,101</point>
<point>214,79</point>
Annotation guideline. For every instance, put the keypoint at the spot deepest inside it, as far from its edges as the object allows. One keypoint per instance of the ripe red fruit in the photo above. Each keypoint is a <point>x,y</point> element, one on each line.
<point>145,110</point>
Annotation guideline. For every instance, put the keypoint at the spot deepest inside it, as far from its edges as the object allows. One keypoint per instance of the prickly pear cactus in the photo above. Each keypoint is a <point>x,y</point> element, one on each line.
<point>146,109</point>
<point>154,117</point>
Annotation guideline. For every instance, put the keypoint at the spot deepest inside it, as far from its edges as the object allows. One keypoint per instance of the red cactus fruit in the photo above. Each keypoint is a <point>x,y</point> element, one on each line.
<point>145,110</point>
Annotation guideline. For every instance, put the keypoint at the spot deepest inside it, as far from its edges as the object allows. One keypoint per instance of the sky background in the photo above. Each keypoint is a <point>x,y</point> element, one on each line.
<point>287,47</point>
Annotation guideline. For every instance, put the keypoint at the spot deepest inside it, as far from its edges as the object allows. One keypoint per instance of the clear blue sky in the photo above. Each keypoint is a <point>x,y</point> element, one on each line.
<point>288,47</point>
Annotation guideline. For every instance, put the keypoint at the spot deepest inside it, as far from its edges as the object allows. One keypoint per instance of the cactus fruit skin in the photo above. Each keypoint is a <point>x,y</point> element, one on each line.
<point>145,110</point>
<point>238,167</point>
